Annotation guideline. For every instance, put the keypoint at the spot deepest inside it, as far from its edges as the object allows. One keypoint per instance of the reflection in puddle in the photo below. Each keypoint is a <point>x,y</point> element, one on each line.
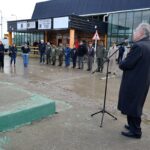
<point>25,72</point>
<point>13,70</point>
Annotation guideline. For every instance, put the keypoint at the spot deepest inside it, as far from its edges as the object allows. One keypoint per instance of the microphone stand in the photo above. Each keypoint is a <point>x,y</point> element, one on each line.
<point>103,111</point>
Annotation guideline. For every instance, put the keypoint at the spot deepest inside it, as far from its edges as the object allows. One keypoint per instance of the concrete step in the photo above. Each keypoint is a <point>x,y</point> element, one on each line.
<point>32,107</point>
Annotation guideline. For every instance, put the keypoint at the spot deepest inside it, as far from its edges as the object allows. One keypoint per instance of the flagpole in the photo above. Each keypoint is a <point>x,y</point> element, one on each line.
<point>96,38</point>
<point>95,50</point>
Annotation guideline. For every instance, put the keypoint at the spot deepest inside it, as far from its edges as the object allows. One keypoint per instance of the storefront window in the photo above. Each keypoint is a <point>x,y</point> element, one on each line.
<point>110,24</point>
<point>146,16</point>
<point>115,20</point>
<point>137,18</point>
<point>129,22</point>
<point>121,25</point>
<point>122,21</point>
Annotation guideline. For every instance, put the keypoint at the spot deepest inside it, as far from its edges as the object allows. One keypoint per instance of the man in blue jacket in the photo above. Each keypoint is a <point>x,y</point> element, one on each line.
<point>67,55</point>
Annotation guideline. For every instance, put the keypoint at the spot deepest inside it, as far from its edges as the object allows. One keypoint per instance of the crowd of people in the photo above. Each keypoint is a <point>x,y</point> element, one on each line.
<point>79,55</point>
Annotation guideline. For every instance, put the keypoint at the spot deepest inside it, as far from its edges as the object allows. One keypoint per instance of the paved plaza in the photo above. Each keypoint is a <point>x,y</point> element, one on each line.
<point>77,94</point>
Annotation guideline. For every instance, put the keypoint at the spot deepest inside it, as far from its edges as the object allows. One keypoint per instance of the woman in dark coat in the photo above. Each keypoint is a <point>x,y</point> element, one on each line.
<point>2,50</point>
<point>13,53</point>
<point>135,81</point>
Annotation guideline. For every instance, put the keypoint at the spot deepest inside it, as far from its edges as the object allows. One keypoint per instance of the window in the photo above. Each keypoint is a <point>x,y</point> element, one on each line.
<point>146,16</point>
<point>122,21</point>
<point>137,19</point>
<point>110,24</point>
<point>115,23</point>
<point>129,22</point>
<point>115,19</point>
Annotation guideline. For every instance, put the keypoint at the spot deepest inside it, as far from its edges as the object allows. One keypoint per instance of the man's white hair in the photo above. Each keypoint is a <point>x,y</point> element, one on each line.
<point>146,28</point>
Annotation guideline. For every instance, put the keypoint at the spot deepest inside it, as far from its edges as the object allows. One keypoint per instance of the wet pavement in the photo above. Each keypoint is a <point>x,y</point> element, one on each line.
<point>72,128</point>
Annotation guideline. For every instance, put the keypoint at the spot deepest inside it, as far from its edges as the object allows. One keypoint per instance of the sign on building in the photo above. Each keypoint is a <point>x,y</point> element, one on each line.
<point>61,23</point>
<point>44,24</point>
<point>31,25</point>
<point>22,25</point>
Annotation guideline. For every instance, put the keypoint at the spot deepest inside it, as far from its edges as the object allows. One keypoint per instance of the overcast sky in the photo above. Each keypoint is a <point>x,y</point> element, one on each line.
<point>23,9</point>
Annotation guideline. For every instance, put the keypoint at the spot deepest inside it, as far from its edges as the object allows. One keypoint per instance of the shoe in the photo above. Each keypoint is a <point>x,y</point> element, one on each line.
<point>126,127</point>
<point>131,135</point>
<point>79,68</point>
<point>88,70</point>
<point>97,70</point>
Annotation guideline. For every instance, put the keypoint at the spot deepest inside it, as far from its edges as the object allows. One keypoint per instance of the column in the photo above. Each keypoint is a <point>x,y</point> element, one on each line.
<point>72,37</point>
<point>105,40</point>
<point>46,36</point>
<point>10,38</point>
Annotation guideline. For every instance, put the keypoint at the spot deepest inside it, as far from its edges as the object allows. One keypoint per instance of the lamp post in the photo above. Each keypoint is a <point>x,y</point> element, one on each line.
<point>1,25</point>
<point>14,16</point>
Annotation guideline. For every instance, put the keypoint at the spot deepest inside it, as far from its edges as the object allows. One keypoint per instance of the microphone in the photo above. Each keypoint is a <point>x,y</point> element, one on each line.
<point>119,44</point>
<point>125,43</point>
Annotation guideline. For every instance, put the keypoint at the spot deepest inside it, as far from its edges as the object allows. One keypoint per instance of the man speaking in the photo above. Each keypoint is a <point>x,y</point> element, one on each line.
<point>135,81</point>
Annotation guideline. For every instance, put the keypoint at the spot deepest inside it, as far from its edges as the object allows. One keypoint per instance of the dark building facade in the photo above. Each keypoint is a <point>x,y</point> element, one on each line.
<point>67,20</point>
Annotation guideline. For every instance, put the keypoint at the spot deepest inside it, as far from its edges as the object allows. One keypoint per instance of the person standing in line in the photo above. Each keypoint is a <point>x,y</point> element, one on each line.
<point>25,54</point>
<point>60,52</point>
<point>90,55</point>
<point>48,53</point>
<point>42,49</point>
<point>74,56</point>
<point>82,50</point>
<point>121,53</point>
<point>13,54</point>
<point>100,54</point>
<point>127,50</point>
<point>53,54</point>
<point>135,81</point>
<point>67,55</point>
<point>2,51</point>
<point>112,63</point>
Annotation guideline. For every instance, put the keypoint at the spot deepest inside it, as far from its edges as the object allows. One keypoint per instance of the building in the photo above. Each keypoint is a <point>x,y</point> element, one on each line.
<point>69,21</point>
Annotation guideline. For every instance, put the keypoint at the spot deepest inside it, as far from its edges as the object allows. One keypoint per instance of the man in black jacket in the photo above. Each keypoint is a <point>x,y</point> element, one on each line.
<point>135,81</point>
<point>82,50</point>
<point>42,49</point>
<point>2,50</point>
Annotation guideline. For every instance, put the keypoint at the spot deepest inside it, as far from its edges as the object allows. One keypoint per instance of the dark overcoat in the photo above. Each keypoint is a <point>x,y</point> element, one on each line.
<point>136,79</point>
<point>2,50</point>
